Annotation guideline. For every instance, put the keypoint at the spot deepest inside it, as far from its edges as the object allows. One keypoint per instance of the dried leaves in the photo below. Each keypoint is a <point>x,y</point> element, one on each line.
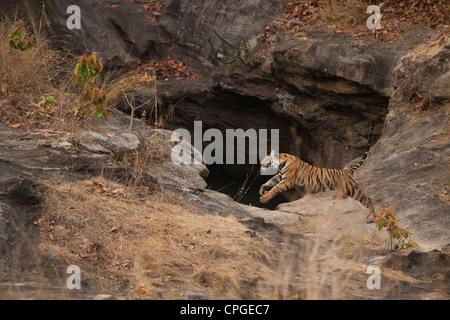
<point>396,16</point>
<point>163,70</point>
<point>24,112</point>
<point>155,7</point>
<point>107,190</point>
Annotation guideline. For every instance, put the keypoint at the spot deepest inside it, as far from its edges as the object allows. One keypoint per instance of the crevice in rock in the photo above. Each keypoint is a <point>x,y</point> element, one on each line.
<point>130,46</point>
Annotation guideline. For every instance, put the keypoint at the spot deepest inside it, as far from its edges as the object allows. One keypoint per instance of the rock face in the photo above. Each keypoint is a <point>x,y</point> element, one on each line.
<point>294,75</point>
<point>332,98</point>
<point>302,87</point>
<point>408,167</point>
<point>117,30</point>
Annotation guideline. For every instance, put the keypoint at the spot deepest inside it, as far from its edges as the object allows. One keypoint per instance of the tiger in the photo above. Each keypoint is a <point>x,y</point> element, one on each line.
<point>293,171</point>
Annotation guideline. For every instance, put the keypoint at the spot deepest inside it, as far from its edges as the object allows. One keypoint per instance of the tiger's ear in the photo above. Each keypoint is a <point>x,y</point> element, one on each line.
<point>275,156</point>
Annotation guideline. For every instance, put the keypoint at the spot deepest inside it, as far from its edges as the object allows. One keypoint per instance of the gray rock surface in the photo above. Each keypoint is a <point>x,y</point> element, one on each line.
<point>112,142</point>
<point>408,167</point>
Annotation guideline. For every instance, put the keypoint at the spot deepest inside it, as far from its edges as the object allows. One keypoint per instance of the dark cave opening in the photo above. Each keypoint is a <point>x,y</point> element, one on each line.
<point>244,188</point>
<point>229,111</point>
<point>336,137</point>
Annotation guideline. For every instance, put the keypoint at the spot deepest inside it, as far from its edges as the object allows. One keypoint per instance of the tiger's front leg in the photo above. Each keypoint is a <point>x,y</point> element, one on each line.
<point>270,184</point>
<point>280,187</point>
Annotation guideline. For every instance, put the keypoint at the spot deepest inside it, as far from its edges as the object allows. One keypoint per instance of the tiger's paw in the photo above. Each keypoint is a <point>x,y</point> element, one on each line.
<point>370,219</point>
<point>265,198</point>
<point>340,196</point>
<point>263,189</point>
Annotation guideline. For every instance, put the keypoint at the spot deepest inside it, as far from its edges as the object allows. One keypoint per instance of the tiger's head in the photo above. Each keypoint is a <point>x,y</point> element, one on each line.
<point>270,164</point>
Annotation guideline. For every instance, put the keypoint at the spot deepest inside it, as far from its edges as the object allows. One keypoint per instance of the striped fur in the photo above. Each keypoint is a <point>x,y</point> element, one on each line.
<point>356,166</point>
<point>293,171</point>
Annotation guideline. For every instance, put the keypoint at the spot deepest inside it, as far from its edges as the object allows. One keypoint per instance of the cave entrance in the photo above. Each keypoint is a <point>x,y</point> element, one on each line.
<point>340,136</point>
<point>223,111</point>
<point>243,188</point>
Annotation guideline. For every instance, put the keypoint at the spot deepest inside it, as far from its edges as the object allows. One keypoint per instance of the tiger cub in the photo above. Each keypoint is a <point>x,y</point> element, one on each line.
<point>293,171</point>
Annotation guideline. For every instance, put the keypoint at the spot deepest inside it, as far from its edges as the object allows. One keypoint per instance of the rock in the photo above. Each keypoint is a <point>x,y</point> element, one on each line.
<point>22,159</point>
<point>183,170</point>
<point>344,219</point>
<point>184,176</point>
<point>426,68</point>
<point>313,65</point>
<point>113,142</point>
<point>124,31</point>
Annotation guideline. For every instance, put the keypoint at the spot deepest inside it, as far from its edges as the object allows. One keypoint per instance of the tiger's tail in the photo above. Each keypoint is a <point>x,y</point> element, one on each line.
<point>369,144</point>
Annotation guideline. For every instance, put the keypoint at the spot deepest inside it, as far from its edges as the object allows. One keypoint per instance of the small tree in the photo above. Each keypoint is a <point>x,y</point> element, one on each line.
<point>86,75</point>
<point>386,219</point>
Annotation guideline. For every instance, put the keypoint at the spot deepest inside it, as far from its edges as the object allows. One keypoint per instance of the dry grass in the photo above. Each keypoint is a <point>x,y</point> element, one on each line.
<point>33,72</point>
<point>139,245</point>
<point>127,85</point>
<point>26,77</point>
<point>118,84</point>
<point>155,242</point>
<point>345,14</point>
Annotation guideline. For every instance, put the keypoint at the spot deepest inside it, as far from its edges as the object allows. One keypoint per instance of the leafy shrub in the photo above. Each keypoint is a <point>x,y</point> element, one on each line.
<point>33,72</point>
<point>386,219</point>
<point>47,100</point>
<point>86,75</point>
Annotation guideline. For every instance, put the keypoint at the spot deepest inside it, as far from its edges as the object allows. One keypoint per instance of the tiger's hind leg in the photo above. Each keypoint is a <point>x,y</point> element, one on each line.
<point>361,197</point>
<point>371,216</point>
<point>340,195</point>
<point>349,186</point>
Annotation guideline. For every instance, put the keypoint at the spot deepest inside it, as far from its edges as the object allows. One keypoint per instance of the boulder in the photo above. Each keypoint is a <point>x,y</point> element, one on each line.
<point>111,142</point>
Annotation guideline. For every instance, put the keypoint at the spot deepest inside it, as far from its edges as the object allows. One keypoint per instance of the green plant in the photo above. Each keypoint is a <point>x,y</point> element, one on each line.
<point>86,75</point>
<point>46,102</point>
<point>386,219</point>
<point>19,39</point>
